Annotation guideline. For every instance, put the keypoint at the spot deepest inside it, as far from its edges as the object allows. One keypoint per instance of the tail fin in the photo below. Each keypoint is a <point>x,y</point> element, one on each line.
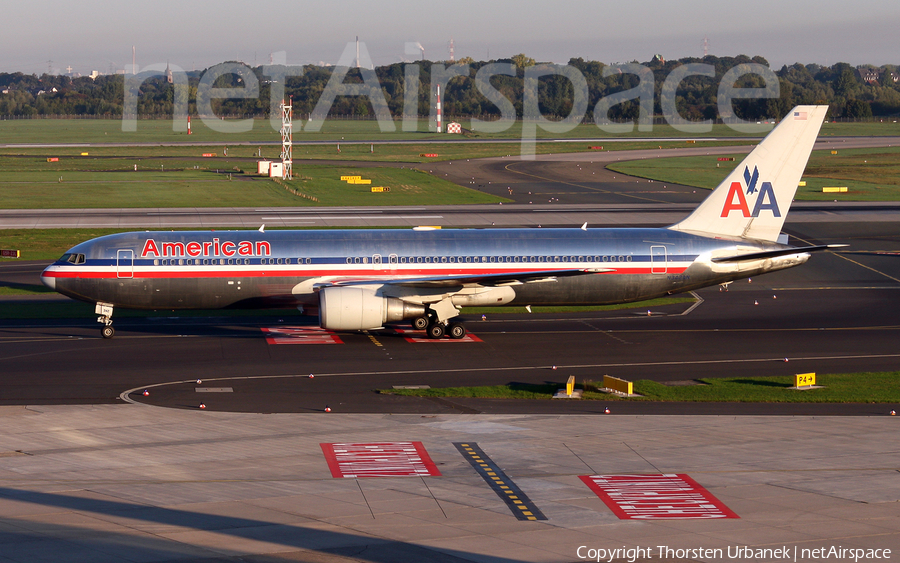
<point>754,199</point>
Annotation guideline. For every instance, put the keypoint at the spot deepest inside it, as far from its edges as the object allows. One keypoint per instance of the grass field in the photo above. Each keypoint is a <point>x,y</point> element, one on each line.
<point>868,387</point>
<point>44,131</point>
<point>33,183</point>
<point>871,174</point>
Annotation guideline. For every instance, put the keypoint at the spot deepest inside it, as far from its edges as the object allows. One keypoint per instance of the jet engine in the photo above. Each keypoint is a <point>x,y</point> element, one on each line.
<point>361,308</point>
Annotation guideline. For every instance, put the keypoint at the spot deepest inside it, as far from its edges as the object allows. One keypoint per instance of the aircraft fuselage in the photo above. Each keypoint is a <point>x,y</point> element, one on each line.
<point>217,269</point>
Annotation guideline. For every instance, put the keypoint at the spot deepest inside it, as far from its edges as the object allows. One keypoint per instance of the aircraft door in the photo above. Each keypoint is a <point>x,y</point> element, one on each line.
<point>125,263</point>
<point>658,260</point>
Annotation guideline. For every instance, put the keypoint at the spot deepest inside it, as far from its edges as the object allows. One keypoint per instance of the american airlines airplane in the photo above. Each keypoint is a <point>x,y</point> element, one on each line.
<point>364,279</point>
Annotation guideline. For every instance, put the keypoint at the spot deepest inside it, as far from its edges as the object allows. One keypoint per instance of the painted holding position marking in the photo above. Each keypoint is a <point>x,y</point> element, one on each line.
<point>364,279</point>
<point>518,502</point>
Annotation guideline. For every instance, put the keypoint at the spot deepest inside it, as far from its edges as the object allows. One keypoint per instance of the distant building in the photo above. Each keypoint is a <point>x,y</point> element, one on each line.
<point>869,75</point>
<point>659,59</point>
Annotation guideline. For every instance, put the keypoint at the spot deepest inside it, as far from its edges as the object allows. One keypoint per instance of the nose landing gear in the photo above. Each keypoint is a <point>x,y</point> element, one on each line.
<point>105,311</point>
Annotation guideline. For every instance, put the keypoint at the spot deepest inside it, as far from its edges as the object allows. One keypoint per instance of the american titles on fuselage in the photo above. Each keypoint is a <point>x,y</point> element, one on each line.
<point>206,249</point>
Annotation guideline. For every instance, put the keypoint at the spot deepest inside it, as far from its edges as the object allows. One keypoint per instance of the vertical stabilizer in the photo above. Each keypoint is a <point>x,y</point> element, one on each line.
<point>753,201</point>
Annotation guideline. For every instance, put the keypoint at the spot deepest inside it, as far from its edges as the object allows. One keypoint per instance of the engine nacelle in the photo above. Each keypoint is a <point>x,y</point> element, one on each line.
<point>360,308</point>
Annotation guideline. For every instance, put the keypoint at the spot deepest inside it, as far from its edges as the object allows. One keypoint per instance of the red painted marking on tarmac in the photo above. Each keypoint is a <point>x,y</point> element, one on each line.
<point>379,459</point>
<point>419,336</point>
<point>300,335</point>
<point>656,496</point>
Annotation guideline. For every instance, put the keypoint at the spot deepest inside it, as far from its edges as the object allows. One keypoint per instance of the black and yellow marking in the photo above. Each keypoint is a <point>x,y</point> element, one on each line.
<point>518,502</point>
<point>372,338</point>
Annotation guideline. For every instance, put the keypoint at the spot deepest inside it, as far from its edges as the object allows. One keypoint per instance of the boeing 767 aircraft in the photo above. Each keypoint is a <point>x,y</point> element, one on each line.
<point>363,279</point>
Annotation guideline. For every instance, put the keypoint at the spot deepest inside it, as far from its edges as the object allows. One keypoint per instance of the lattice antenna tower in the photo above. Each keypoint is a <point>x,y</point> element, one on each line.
<point>452,53</point>
<point>705,47</point>
<point>287,139</point>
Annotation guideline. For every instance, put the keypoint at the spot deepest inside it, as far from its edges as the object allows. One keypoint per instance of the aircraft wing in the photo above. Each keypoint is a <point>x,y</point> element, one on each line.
<point>775,253</point>
<point>506,278</point>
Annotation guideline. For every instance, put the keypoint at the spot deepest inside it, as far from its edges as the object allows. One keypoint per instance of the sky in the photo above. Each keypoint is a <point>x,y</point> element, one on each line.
<point>99,34</point>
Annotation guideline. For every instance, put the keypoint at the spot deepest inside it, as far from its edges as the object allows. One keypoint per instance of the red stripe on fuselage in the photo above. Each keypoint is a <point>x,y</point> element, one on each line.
<point>391,274</point>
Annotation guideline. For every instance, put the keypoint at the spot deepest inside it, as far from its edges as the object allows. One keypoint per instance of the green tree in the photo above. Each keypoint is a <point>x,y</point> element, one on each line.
<point>845,82</point>
<point>522,61</point>
<point>857,109</point>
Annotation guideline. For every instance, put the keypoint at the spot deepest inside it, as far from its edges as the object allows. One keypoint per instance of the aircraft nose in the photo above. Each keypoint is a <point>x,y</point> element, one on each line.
<point>48,280</point>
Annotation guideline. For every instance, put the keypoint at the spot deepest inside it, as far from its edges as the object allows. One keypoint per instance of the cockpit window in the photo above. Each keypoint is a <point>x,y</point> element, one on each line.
<point>73,258</point>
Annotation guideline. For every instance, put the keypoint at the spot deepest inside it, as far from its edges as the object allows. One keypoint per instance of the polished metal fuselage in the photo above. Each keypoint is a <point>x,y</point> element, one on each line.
<point>217,269</point>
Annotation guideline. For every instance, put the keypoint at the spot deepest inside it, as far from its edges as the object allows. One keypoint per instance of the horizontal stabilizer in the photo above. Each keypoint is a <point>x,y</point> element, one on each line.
<point>775,253</point>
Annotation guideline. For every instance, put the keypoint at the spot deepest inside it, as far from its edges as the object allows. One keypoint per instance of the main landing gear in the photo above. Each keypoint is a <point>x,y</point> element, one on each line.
<point>105,310</point>
<point>436,329</point>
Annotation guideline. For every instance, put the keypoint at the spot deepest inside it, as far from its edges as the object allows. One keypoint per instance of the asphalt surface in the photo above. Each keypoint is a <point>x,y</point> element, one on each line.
<point>837,313</point>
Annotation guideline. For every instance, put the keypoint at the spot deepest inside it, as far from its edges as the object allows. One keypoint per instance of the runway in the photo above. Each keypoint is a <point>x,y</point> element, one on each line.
<point>91,469</point>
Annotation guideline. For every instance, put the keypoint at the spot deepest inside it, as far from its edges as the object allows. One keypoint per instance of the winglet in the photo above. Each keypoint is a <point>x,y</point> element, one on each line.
<point>752,202</point>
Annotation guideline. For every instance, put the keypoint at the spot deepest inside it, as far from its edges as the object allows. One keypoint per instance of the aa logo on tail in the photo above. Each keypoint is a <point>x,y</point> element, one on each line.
<point>764,196</point>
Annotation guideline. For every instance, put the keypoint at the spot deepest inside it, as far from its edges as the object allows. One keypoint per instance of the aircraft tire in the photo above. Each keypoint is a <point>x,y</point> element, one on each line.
<point>436,331</point>
<point>456,331</point>
<point>420,323</point>
<point>107,332</point>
